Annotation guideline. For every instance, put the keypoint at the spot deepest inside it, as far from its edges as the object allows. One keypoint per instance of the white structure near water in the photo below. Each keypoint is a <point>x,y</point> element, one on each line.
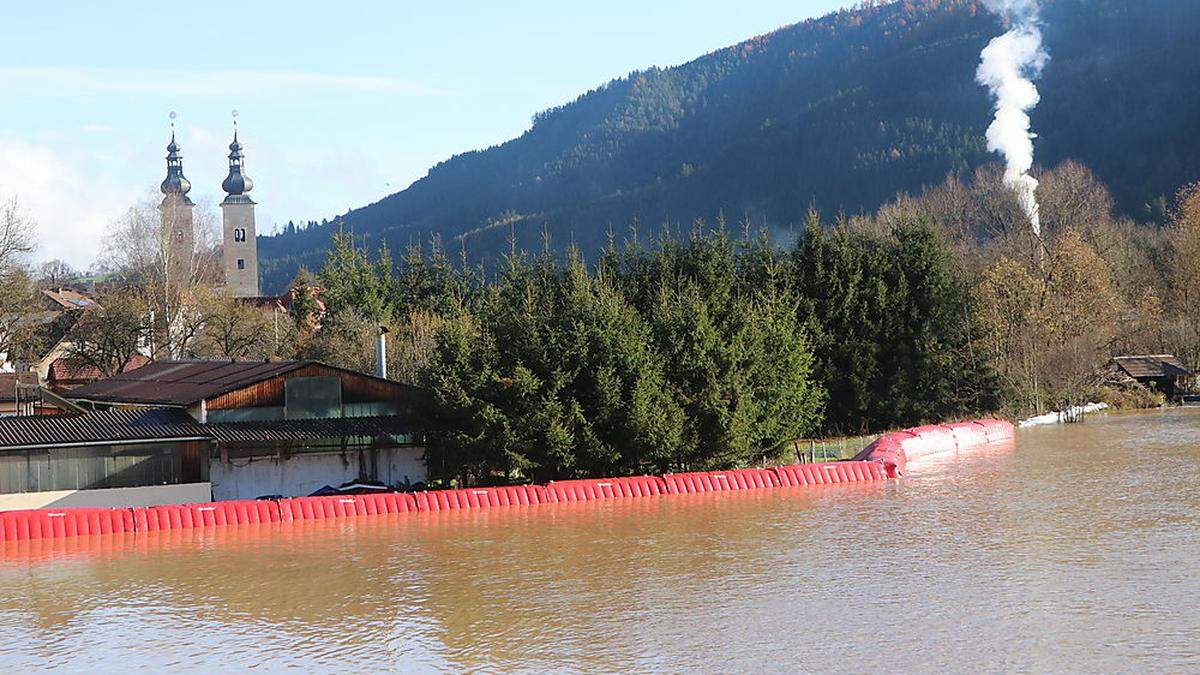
<point>1061,416</point>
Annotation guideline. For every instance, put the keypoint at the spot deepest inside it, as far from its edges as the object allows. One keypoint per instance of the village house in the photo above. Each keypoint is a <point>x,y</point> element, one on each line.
<point>176,431</point>
<point>182,431</point>
<point>44,348</point>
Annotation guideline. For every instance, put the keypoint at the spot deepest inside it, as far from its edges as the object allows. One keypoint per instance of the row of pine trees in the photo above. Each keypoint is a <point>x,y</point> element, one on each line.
<point>705,351</point>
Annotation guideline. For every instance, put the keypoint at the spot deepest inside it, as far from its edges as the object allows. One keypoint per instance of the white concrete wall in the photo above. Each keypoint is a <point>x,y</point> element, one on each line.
<point>302,474</point>
<point>153,495</point>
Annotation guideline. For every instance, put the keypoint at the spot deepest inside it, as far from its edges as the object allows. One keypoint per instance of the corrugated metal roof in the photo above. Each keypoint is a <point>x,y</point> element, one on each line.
<point>182,383</point>
<point>1152,367</point>
<point>115,426</point>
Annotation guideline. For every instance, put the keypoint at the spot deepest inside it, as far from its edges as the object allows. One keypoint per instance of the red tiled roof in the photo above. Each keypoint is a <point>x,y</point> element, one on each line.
<point>69,299</point>
<point>69,371</point>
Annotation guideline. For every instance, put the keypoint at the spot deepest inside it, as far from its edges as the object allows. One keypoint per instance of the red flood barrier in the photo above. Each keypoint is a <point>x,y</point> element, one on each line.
<point>588,490</point>
<point>890,451</point>
<point>934,439</point>
<point>998,430</point>
<point>54,523</point>
<point>895,449</point>
<point>345,506</point>
<point>969,434</point>
<point>210,514</point>
<point>480,498</point>
<point>720,481</point>
<point>321,508</point>
<point>385,503</point>
<point>831,473</point>
<point>887,457</point>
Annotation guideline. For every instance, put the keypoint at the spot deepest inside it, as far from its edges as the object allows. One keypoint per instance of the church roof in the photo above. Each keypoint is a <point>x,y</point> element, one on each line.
<point>175,183</point>
<point>236,183</point>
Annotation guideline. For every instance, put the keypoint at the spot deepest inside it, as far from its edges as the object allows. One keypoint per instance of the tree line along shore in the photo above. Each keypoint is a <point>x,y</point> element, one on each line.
<point>710,348</point>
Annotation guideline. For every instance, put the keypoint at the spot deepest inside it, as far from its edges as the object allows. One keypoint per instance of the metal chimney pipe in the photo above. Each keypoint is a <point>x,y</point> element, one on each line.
<point>381,369</point>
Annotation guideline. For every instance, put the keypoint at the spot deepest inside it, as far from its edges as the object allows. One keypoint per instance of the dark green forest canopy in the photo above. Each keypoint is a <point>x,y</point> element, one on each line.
<point>841,112</point>
<point>704,353</point>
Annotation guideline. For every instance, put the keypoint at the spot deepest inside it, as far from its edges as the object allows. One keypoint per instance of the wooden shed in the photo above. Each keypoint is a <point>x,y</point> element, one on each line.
<point>1160,372</point>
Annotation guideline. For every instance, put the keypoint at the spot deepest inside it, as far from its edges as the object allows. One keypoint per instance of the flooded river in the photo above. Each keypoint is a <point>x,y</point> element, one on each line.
<point>1077,549</point>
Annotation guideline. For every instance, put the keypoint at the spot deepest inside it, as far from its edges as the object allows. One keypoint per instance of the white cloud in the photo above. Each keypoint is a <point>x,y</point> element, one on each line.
<point>70,210</point>
<point>65,82</point>
<point>73,192</point>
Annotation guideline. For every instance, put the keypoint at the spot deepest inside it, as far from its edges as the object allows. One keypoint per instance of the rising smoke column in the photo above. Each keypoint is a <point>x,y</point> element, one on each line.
<point>1008,66</point>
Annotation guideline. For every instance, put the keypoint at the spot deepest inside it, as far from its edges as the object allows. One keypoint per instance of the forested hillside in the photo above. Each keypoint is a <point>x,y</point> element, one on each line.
<point>841,112</point>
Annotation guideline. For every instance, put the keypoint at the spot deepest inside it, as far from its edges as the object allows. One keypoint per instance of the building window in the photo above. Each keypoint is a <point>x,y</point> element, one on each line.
<point>239,234</point>
<point>241,264</point>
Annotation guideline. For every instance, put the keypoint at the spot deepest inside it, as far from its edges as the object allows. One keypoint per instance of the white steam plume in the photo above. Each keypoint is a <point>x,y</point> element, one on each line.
<point>1008,66</point>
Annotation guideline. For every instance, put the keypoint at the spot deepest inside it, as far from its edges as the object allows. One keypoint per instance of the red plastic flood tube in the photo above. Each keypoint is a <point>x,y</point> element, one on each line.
<point>886,458</point>
<point>55,523</point>
<point>895,449</point>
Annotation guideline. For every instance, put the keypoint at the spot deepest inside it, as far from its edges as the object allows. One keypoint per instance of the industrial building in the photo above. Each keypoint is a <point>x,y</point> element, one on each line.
<point>240,430</point>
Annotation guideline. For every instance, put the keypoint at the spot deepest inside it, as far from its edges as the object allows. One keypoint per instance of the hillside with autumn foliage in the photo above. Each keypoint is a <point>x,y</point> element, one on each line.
<point>841,112</point>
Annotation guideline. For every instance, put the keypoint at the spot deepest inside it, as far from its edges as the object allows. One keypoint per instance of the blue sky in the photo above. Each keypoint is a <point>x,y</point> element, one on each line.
<point>340,103</point>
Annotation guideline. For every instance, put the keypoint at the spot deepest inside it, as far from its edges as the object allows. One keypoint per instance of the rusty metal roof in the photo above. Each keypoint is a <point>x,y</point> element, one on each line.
<point>182,383</point>
<point>1152,367</point>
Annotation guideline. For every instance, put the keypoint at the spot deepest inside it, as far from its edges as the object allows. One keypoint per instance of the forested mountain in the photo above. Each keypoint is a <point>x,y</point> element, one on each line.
<point>840,112</point>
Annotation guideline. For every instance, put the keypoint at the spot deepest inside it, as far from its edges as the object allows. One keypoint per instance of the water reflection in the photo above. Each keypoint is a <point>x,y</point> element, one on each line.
<point>1077,546</point>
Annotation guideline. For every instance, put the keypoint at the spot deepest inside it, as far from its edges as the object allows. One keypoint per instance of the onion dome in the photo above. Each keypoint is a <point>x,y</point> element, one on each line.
<point>236,183</point>
<point>175,183</point>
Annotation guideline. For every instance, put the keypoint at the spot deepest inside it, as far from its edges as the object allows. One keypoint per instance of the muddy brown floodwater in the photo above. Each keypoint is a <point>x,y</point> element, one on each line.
<point>1077,549</point>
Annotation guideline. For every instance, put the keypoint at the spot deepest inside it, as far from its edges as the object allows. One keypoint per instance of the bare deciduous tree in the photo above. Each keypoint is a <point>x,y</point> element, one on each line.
<point>16,243</point>
<point>55,273</point>
<point>16,237</point>
<point>111,337</point>
<point>1183,255</point>
<point>169,256</point>
<point>233,329</point>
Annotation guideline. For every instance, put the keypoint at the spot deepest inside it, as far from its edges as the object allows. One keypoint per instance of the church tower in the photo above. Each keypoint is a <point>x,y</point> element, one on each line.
<point>241,242</point>
<point>175,212</point>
